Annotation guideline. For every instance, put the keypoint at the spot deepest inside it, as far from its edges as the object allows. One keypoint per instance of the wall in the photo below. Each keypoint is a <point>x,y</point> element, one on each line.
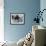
<point>43,6</point>
<point>29,7</point>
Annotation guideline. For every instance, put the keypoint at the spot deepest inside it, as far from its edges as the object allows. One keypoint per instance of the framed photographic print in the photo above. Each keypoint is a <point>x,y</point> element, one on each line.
<point>17,18</point>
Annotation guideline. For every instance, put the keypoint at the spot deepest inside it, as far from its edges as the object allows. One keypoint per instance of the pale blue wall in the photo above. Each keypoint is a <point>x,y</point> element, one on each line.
<point>29,7</point>
<point>43,6</point>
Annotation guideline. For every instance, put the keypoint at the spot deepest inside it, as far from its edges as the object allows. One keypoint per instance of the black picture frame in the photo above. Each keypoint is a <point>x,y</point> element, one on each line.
<point>17,18</point>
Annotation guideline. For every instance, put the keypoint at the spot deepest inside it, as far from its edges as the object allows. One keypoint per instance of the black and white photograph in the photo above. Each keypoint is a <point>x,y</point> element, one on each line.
<point>17,18</point>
